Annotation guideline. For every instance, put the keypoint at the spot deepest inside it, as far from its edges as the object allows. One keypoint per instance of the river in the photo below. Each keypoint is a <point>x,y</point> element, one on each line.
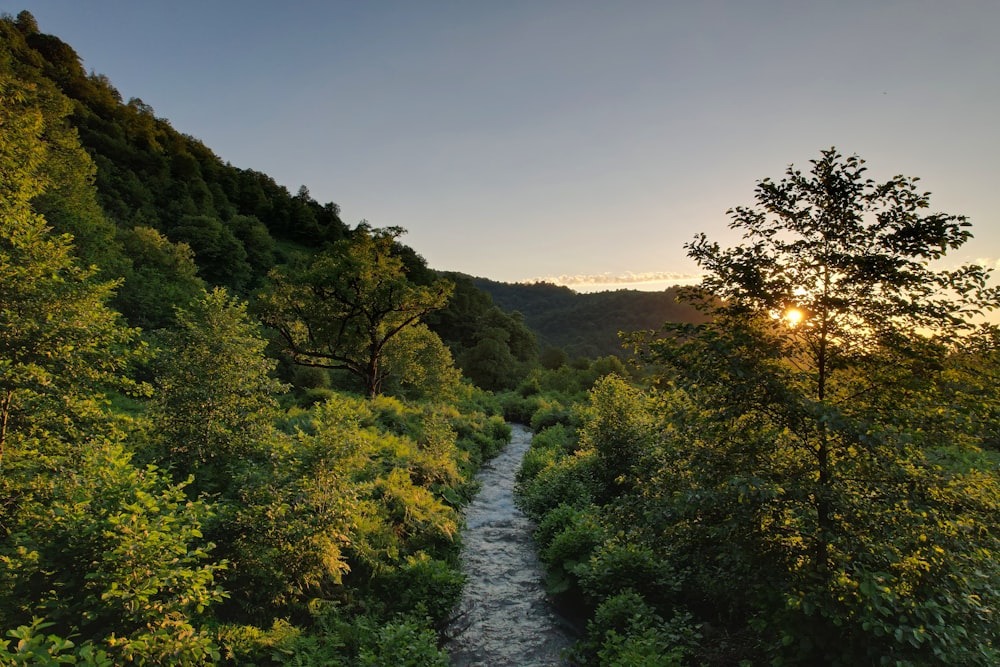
<point>504,618</point>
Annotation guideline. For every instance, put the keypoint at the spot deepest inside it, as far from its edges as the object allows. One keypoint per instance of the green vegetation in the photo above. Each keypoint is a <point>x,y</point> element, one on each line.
<point>349,305</point>
<point>234,430</point>
<point>163,498</point>
<point>811,489</point>
<point>588,325</point>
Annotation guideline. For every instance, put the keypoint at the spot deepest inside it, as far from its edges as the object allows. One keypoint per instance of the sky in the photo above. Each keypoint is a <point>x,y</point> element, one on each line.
<point>579,142</point>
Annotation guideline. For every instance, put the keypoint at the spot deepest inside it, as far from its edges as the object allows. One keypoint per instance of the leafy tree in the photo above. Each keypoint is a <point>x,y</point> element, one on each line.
<point>490,364</point>
<point>848,261</point>
<point>162,277</point>
<point>257,242</point>
<point>419,366</point>
<point>60,344</point>
<point>342,310</point>
<point>494,349</point>
<point>618,429</point>
<point>797,476</point>
<point>219,253</point>
<point>214,403</point>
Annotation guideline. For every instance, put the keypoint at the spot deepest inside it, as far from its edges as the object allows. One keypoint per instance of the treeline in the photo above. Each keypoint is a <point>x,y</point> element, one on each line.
<point>588,325</point>
<point>810,477</point>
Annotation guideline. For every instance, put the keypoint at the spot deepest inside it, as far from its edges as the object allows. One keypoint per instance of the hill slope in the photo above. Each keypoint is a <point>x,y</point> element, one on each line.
<point>587,325</point>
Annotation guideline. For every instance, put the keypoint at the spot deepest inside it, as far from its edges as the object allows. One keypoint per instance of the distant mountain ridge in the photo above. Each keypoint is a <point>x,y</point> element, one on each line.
<point>587,325</point>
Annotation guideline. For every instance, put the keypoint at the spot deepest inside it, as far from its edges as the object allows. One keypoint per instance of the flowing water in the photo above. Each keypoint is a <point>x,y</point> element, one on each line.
<point>504,618</point>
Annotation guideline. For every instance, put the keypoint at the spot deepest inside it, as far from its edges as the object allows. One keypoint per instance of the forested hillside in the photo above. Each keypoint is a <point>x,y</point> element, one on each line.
<point>587,325</point>
<point>166,496</point>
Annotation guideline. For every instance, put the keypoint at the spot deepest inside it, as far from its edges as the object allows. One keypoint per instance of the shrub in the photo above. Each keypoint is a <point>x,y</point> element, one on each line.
<point>568,480</point>
<point>619,566</point>
<point>570,547</point>
<point>423,586</point>
<point>626,631</point>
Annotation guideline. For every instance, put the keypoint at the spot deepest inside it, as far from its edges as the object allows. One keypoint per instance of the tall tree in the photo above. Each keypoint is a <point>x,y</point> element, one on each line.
<point>825,489</point>
<point>341,310</point>
<point>846,262</point>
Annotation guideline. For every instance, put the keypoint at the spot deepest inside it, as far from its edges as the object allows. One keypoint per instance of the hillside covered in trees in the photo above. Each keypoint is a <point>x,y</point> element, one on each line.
<point>588,325</point>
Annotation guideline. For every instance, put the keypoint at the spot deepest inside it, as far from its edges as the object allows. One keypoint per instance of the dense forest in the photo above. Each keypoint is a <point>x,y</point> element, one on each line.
<point>236,430</point>
<point>588,325</point>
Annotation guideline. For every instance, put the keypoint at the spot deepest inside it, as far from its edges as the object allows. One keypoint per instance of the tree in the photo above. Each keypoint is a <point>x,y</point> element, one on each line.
<point>220,256</point>
<point>846,261</point>
<point>822,484</point>
<point>418,365</point>
<point>60,344</point>
<point>215,399</point>
<point>342,310</point>
<point>162,277</point>
<point>94,544</point>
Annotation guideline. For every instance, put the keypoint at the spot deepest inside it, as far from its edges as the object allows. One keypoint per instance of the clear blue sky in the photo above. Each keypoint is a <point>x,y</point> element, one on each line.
<point>525,139</point>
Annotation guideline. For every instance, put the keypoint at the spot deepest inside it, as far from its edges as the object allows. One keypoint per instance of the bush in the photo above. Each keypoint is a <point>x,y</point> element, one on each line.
<point>550,414</point>
<point>626,631</point>
<point>555,521</point>
<point>570,547</point>
<point>402,643</point>
<point>568,480</point>
<point>620,566</point>
<point>423,586</point>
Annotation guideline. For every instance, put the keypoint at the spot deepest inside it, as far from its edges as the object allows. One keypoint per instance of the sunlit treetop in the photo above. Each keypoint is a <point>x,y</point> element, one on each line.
<point>855,258</point>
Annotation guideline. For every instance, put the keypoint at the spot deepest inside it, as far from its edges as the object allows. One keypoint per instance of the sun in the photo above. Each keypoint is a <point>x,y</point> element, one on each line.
<point>793,316</point>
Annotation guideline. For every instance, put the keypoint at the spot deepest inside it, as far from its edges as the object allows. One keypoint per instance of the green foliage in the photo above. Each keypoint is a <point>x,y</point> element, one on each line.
<point>344,522</point>
<point>221,256</point>
<point>547,447</point>
<point>794,478</point>
<point>151,175</point>
<point>340,640</point>
<point>572,546</point>
<point>620,565</point>
<point>116,553</point>
<point>403,644</point>
<point>550,413</point>
<point>570,480</point>
<point>587,325</point>
<point>60,345</point>
<point>626,630</point>
<point>494,349</point>
<point>344,308</point>
<point>422,586</point>
<point>162,277</point>
<point>619,427</point>
<point>807,492</point>
<point>419,366</point>
<point>35,648</point>
<point>214,403</point>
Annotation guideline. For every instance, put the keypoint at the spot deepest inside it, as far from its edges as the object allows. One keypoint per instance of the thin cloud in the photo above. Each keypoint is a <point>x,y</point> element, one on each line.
<point>620,280</point>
